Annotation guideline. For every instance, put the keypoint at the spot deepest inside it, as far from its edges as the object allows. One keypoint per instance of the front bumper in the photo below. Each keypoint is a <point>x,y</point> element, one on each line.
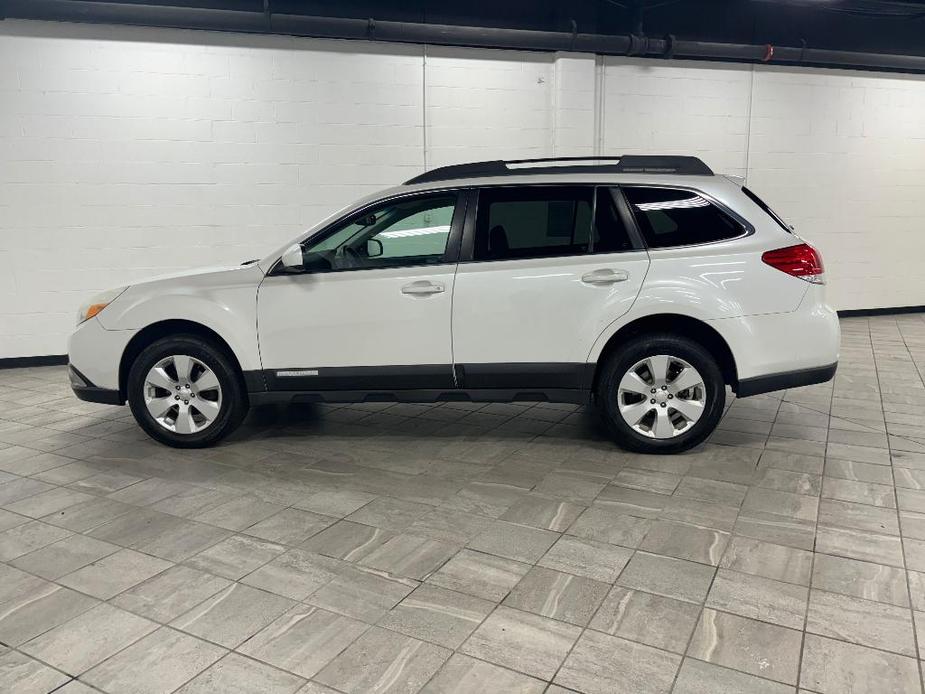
<point>85,390</point>
<point>94,354</point>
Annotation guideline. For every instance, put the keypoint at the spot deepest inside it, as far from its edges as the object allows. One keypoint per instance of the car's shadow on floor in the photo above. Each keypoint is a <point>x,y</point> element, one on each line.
<point>311,419</point>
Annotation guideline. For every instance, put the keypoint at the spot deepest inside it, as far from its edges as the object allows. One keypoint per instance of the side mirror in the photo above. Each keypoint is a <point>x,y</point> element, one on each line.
<point>292,257</point>
<point>374,248</point>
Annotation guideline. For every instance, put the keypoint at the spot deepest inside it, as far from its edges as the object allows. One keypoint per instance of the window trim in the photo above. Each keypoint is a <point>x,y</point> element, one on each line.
<point>450,255</point>
<point>637,241</point>
<point>768,210</point>
<point>747,226</point>
<point>467,250</point>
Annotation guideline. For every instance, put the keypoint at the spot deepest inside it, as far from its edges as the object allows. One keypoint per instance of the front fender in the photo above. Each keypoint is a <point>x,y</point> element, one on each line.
<point>225,302</point>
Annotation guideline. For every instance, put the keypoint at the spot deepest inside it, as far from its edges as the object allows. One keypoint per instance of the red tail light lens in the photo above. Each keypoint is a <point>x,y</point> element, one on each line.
<point>801,261</point>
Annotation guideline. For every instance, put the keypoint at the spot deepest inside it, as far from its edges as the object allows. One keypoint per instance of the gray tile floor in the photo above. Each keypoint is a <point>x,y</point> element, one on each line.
<point>482,548</point>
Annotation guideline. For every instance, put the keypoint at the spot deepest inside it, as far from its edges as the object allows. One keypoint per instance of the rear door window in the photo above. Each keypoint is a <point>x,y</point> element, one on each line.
<point>547,221</point>
<point>672,217</point>
<point>533,222</point>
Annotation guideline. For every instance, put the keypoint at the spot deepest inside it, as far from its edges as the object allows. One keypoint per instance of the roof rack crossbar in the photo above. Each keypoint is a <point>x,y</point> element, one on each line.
<point>628,163</point>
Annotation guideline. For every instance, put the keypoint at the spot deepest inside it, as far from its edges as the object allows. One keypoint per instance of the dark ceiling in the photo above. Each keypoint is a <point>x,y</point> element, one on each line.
<point>887,27</point>
<point>851,25</point>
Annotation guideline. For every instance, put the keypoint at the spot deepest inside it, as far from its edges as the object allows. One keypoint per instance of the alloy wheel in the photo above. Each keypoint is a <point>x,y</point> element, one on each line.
<point>661,396</point>
<point>182,394</point>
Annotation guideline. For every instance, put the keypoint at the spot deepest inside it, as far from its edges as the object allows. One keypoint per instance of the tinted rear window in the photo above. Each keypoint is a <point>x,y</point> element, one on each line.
<point>672,217</point>
<point>533,222</point>
<point>543,221</point>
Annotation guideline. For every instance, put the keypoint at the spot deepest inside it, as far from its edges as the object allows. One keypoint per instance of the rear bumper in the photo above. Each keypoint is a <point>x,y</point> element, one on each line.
<point>786,348</point>
<point>784,380</point>
<point>85,390</point>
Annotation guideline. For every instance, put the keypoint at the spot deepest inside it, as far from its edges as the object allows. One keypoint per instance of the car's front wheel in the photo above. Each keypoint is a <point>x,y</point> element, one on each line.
<point>185,392</point>
<point>661,394</point>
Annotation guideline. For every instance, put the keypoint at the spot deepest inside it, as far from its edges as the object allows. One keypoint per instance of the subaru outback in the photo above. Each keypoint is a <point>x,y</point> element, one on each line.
<point>644,285</point>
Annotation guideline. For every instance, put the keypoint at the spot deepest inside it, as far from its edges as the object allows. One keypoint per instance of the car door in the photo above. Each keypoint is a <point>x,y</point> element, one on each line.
<point>544,270</point>
<point>370,307</point>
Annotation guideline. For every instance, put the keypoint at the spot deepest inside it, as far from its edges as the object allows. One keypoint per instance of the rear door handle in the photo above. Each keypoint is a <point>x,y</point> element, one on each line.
<point>422,287</point>
<point>605,276</point>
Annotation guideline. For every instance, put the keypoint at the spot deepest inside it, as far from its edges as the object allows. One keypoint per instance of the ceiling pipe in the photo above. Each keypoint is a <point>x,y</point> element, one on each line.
<point>266,22</point>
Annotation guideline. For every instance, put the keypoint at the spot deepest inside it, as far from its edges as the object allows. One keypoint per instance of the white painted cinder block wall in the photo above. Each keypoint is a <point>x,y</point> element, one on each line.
<point>127,152</point>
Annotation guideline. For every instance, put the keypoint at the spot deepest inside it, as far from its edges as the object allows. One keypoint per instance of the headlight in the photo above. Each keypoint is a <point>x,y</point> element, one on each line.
<point>98,303</point>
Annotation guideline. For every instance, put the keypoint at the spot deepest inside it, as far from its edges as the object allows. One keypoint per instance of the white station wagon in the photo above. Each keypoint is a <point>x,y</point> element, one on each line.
<point>642,284</point>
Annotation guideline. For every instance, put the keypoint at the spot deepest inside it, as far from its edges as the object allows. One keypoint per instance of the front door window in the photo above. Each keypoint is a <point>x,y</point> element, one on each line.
<point>401,233</point>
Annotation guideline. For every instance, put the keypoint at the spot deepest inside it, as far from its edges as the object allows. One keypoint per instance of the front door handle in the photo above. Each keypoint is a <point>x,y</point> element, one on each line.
<point>605,276</point>
<point>422,287</point>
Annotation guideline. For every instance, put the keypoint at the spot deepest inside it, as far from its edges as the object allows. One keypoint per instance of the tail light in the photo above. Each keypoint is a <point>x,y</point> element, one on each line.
<point>801,261</point>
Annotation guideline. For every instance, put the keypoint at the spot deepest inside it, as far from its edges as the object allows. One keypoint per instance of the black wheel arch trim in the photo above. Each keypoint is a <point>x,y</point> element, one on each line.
<point>785,379</point>
<point>173,327</point>
<point>675,325</point>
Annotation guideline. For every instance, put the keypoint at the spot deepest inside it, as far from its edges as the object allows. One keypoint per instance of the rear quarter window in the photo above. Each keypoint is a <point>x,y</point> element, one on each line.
<point>672,217</point>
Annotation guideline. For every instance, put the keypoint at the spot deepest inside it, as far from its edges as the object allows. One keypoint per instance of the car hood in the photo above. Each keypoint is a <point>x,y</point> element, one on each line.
<point>198,295</point>
<point>192,272</point>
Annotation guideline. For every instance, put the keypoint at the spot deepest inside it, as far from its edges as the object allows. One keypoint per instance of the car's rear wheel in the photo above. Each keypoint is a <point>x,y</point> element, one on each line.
<point>661,394</point>
<point>186,392</point>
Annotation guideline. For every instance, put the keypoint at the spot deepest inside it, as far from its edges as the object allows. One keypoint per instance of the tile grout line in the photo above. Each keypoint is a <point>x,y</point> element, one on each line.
<point>915,640</point>
<point>812,558</point>
<point>706,596</point>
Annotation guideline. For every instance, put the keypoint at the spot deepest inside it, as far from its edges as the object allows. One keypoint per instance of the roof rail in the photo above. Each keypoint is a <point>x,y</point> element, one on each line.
<point>628,163</point>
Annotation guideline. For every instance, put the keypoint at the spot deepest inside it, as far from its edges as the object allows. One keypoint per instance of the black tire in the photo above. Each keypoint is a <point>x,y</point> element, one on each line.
<point>639,348</point>
<point>234,397</point>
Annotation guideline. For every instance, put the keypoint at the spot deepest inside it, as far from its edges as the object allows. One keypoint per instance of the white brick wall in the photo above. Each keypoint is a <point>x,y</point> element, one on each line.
<point>487,105</point>
<point>677,108</point>
<point>129,152</point>
<point>842,155</point>
<point>126,153</point>
<point>575,104</point>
